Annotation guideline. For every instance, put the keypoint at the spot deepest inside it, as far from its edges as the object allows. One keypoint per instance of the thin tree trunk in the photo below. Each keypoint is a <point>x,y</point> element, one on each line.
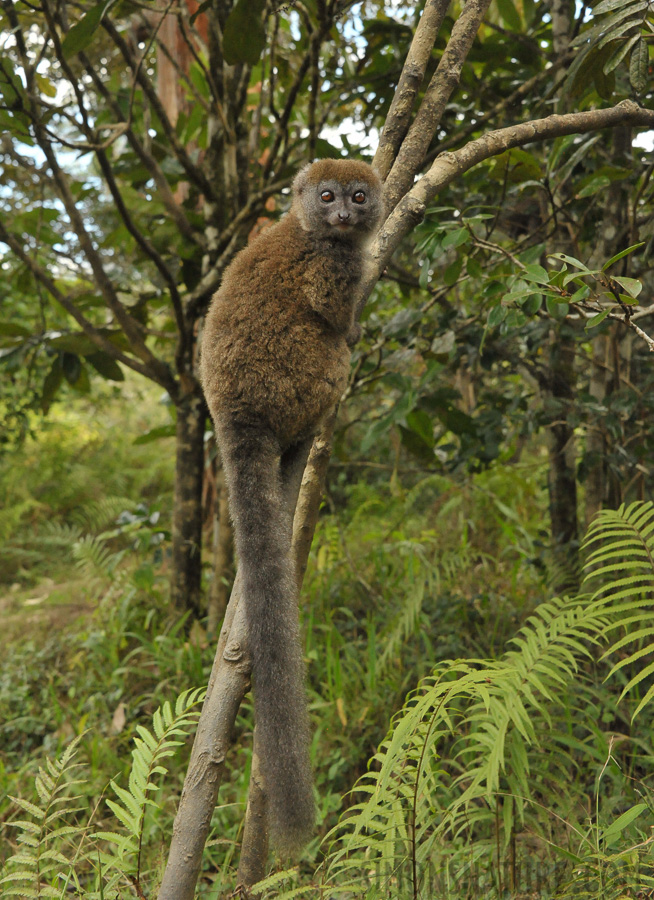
<point>562,451</point>
<point>228,683</point>
<point>186,579</point>
<point>223,554</point>
<point>601,489</point>
<point>595,483</point>
<point>562,476</point>
<point>254,848</point>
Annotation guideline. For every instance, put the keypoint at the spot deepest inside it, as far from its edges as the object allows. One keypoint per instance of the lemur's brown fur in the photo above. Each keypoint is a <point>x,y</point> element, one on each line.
<point>274,363</point>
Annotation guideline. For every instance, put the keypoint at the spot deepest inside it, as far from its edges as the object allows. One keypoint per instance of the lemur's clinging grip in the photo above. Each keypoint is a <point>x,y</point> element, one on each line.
<point>274,363</point>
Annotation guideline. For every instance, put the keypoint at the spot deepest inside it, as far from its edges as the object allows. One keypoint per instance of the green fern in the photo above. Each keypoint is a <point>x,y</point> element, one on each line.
<point>40,868</point>
<point>495,721</point>
<point>170,730</point>
<point>98,514</point>
<point>93,557</point>
<point>423,580</point>
<point>622,560</point>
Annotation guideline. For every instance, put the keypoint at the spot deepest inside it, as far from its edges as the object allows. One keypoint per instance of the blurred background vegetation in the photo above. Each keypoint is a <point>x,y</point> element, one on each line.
<point>494,408</point>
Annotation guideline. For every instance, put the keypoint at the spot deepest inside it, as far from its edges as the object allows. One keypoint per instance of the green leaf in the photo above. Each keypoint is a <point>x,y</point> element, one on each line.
<point>631,10</point>
<point>597,320</point>
<point>594,186</point>
<point>580,294</point>
<point>607,6</point>
<point>556,309</point>
<point>81,34</point>
<point>604,82</point>
<point>510,14</point>
<point>203,7</point>
<point>106,366</point>
<point>622,253</point>
<point>631,285</point>
<point>82,383</point>
<point>75,342</point>
<point>45,85</point>
<point>532,304</point>
<point>496,316</point>
<point>162,431</point>
<point>623,48</point>
<point>612,38</point>
<point>71,367</point>
<point>421,424</point>
<point>244,36</point>
<point>571,261</point>
<point>616,828</point>
<point>11,329</point>
<point>31,808</point>
<point>455,238</point>
<point>452,272</point>
<point>638,66</point>
<point>535,273</point>
<point>11,87</point>
<point>473,268</point>
<point>51,384</point>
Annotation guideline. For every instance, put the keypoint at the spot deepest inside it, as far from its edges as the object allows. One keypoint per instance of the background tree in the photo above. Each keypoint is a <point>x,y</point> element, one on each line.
<point>141,148</point>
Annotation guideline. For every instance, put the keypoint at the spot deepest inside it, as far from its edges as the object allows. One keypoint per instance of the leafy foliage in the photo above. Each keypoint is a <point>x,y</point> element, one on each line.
<point>620,545</point>
<point>475,756</point>
<point>170,728</point>
<point>40,869</point>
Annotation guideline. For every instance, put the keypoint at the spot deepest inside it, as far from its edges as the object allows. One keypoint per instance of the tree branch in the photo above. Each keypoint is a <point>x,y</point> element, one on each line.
<point>93,333</point>
<point>129,325</point>
<point>449,166</point>
<point>413,72</point>
<point>147,159</point>
<point>446,77</point>
<point>194,173</point>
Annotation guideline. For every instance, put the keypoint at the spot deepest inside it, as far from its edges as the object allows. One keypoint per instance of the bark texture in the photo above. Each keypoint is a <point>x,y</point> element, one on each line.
<point>223,554</point>
<point>186,579</point>
<point>227,686</point>
<point>562,475</point>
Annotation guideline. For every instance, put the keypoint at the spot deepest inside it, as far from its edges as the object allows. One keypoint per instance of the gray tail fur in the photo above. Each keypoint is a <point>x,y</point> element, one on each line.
<point>263,529</point>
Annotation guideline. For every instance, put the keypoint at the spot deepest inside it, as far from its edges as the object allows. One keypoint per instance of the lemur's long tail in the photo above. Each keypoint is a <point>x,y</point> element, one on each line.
<point>262,530</point>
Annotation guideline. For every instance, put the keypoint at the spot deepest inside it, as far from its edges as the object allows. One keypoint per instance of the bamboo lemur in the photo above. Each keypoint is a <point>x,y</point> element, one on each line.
<point>274,363</point>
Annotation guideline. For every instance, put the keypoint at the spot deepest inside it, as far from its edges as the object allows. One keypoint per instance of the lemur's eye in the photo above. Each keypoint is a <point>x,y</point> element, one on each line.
<point>327,196</point>
<point>359,197</point>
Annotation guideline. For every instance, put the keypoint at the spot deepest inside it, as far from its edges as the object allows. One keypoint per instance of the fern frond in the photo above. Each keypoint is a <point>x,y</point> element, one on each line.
<point>407,621</point>
<point>170,730</point>
<point>93,556</point>
<point>623,541</point>
<point>38,866</point>
<point>97,514</point>
<point>496,711</point>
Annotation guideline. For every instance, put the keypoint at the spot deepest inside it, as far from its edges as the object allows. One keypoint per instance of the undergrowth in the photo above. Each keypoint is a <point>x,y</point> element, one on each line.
<point>463,797</point>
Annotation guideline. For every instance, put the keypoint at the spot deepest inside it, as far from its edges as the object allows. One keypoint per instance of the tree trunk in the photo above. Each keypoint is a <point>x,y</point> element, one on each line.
<point>223,554</point>
<point>595,483</point>
<point>185,588</point>
<point>562,451</point>
<point>562,476</point>
<point>601,488</point>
